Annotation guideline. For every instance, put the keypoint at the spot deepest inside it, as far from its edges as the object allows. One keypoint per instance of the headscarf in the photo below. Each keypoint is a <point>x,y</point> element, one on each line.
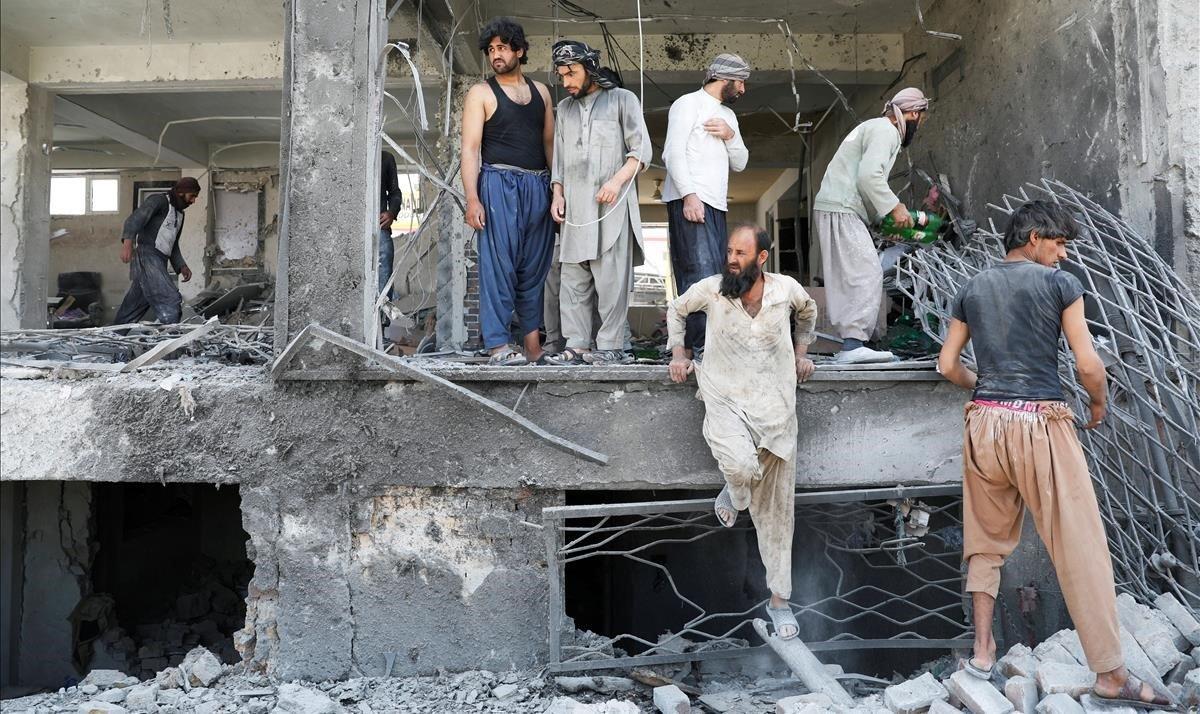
<point>909,99</point>
<point>568,52</point>
<point>187,184</point>
<point>727,66</point>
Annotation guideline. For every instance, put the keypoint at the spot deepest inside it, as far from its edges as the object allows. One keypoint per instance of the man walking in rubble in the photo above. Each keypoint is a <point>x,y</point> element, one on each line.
<point>854,193</point>
<point>703,145</point>
<point>508,127</point>
<point>600,145</point>
<point>747,381</point>
<point>1020,449</point>
<point>151,238</point>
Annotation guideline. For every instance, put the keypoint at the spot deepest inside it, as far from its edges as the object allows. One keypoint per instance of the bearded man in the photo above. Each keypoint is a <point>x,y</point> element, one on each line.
<point>752,361</point>
<point>149,239</point>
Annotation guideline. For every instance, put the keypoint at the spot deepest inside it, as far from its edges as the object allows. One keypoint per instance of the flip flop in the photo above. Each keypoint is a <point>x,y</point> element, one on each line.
<point>1130,695</point>
<point>976,671</point>
<point>782,618</point>
<point>725,501</point>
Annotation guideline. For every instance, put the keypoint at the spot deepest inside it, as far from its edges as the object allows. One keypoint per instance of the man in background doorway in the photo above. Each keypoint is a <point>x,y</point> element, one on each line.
<point>149,239</point>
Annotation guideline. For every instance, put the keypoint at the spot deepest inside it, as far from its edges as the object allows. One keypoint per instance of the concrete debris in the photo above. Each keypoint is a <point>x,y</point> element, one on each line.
<point>1156,636</point>
<point>1178,615</point>
<point>202,667</point>
<point>671,700</point>
<point>566,705</point>
<point>977,695</point>
<point>915,695</point>
<point>1059,704</point>
<point>601,685</point>
<point>1023,693</point>
<point>805,665</point>
<point>940,707</point>
<point>1092,706</point>
<point>793,705</point>
<point>298,699</point>
<point>100,708</point>
<point>105,678</point>
<point>1073,680</point>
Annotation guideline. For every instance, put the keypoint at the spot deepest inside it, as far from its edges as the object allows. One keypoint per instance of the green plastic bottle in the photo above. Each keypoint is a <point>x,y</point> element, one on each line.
<point>925,229</point>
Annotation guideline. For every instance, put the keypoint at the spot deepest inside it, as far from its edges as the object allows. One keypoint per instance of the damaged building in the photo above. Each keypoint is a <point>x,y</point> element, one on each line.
<point>312,495</point>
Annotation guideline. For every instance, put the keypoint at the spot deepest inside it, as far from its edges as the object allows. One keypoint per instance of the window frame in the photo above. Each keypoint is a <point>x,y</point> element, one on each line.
<point>88,178</point>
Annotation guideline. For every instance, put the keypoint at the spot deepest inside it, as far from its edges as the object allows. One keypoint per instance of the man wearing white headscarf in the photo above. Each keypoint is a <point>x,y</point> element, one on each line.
<point>703,145</point>
<point>855,193</point>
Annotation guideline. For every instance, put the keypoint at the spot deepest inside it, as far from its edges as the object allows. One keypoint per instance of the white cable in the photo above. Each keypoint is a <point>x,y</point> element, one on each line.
<point>162,134</point>
<point>642,101</point>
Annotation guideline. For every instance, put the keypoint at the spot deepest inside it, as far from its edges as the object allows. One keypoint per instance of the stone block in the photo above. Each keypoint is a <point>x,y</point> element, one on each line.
<point>1019,662</point>
<point>1136,660</point>
<point>1059,704</point>
<point>1072,680</point>
<point>940,707</point>
<point>915,695</point>
<point>116,695</point>
<point>977,695</point>
<point>142,698</point>
<point>202,667</point>
<point>98,707</point>
<point>207,708</point>
<point>1180,617</point>
<point>298,699</point>
<point>103,678</point>
<point>671,700</point>
<point>169,678</point>
<point>1023,693</point>
<point>503,691</point>
<point>1052,651</point>
<point>1156,640</point>
<point>1189,697</point>
<point>1092,706</point>
<point>1069,639</point>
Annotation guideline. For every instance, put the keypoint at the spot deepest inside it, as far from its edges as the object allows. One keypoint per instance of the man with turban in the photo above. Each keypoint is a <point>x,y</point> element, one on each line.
<point>600,145</point>
<point>855,193</point>
<point>703,144</point>
<point>151,238</point>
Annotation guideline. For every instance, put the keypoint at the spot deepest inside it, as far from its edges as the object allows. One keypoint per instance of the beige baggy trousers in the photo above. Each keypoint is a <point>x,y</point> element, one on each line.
<point>761,481</point>
<point>852,273</point>
<point>1015,460</point>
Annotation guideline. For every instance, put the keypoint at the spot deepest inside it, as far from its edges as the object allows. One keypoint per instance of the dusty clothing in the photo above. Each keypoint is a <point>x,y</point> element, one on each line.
<point>157,224</point>
<point>602,285</point>
<point>593,137</point>
<point>1021,303</point>
<point>761,481</point>
<point>750,362</point>
<point>748,384</point>
<point>697,251</point>
<point>698,162</point>
<point>151,287</point>
<point>857,178</point>
<point>1014,460</point>
<point>853,276</point>
<point>550,299</point>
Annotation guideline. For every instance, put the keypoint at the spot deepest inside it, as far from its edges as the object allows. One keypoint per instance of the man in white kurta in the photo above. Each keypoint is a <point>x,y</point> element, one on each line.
<point>752,361</point>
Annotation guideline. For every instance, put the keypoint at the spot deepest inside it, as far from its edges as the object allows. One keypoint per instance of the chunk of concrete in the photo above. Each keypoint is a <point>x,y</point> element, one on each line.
<point>504,691</point>
<point>99,707</point>
<point>1018,662</point>
<point>802,703</point>
<point>1071,679</point>
<point>1052,651</point>
<point>977,695</point>
<point>1156,640</point>
<point>1023,693</point>
<point>1069,639</point>
<point>169,678</point>
<point>142,698</point>
<point>116,695</point>
<point>1189,697</point>
<point>1179,616</point>
<point>202,667</point>
<point>1137,662</point>
<point>103,678</point>
<point>1092,706</point>
<point>671,700</point>
<point>599,684</point>
<point>298,699</point>
<point>1059,704</point>
<point>940,707</point>
<point>915,695</point>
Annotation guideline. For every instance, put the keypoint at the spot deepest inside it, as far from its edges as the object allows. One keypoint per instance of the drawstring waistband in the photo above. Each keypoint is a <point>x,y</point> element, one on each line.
<point>506,167</point>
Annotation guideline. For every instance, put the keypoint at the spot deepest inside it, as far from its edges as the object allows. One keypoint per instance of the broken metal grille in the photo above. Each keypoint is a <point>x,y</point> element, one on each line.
<point>1145,457</point>
<point>874,569</point>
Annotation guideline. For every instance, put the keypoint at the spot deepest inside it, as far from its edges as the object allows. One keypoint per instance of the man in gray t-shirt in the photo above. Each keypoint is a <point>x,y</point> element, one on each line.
<point>1020,448</point>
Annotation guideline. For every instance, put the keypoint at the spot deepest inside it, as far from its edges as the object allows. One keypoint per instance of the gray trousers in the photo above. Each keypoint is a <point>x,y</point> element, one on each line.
<point>603,285</point>
<point>853,275</point>
<point>550,298</point>
<point>151,287</point>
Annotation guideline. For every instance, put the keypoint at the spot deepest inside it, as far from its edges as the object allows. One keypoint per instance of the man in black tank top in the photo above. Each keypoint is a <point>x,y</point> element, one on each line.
<point>507,139</point>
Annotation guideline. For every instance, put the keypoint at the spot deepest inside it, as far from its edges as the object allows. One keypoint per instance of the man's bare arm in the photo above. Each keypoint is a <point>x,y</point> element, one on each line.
<point>950,358</point>
<point>548,127</point>
<point>474,115</point>
<point>1088,364</point>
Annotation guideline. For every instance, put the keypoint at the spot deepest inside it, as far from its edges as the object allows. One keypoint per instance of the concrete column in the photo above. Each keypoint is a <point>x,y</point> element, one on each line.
<point>457,303</point>
<point>26,130</point>
<point>193,241</point>
<point>329,166</point>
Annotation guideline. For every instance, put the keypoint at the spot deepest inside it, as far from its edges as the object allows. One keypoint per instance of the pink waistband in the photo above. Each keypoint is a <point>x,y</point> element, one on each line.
<point>1016,405</point>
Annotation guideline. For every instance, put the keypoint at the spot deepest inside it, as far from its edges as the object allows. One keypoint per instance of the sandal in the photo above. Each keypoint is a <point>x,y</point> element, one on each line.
<point>781,618</point>
<point>507,358</point>
<point>606,358</point>
<point>725,502</point>
<point>968,665</point>
<point>567,357</point>
<point>1130,695</point>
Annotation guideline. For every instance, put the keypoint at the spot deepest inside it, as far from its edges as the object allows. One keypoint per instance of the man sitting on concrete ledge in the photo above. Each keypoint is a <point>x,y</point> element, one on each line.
<point>747,381</point>
<point>1019,443</point>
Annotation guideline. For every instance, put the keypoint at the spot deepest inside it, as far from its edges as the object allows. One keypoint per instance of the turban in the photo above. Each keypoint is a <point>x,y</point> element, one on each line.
<point>909,99</point>
<point>728,66</point>
<point>187,184</point>
<point>568,52</point>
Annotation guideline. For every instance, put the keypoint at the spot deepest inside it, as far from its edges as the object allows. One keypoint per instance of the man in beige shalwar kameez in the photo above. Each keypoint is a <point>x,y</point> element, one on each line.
<point>752,361</point>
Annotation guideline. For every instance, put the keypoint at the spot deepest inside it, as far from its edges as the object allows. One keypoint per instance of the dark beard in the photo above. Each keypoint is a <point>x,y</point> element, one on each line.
<point>507,69</point>
<point>735,285</point>
<point>729,93</point>
<point>176,201</point>
<point>910,133</point>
